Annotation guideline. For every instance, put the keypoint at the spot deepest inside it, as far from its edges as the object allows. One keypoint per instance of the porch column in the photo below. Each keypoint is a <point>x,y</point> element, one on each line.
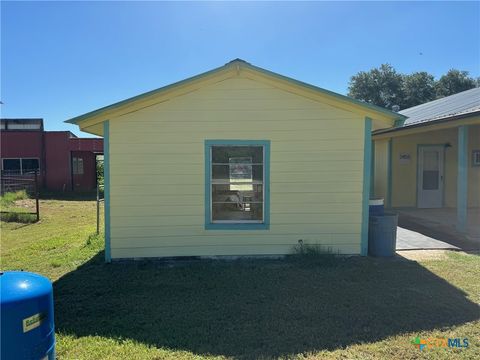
<point>106,188</point>
<point>388,200</point>
<point>367,163</point>
<point>462,178</point>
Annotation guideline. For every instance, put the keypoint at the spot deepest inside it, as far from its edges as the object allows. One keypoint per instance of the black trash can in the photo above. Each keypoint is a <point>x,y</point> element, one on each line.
<point>382,235</point>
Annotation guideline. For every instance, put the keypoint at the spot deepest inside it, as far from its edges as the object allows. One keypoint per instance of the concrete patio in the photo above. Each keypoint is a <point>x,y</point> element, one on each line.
<point>412,240</point>
<point>436,229</point>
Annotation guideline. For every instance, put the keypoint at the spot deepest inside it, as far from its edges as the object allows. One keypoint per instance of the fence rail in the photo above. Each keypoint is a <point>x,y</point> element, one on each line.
<point>11,181</point>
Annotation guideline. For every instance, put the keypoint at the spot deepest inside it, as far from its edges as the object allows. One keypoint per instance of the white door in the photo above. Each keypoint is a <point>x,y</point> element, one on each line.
<point>430,176</point>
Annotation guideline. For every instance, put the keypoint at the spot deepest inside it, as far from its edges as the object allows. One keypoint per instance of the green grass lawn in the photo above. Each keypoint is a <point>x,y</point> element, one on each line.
<point>351,308</point>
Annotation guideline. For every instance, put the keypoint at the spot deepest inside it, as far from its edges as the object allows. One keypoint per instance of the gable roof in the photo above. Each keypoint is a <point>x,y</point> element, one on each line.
<point>464,103</point>
<point>233,66</point>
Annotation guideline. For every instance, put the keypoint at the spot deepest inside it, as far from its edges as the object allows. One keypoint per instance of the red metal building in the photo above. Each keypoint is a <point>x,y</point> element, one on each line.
<point>65,162</point>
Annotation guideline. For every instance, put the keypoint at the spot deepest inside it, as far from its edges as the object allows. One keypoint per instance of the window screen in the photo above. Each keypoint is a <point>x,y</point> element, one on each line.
<point>77,165</point>
<point>29,165</point>
<point>431,170</point>
<point>11,166</point>
<point>236,184</point>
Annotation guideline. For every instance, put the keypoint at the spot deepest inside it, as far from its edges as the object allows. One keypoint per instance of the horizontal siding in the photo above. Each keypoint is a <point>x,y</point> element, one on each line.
<point>215,250</point>
<point>323,202</point>
<point>232,240</point>
<point>157,172</point>
<point>333,149</point>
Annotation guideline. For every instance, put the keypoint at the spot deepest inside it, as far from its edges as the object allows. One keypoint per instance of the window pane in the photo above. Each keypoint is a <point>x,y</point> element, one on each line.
<point>80,166</point>
<point>223,193</point>
<point>11,166</point>
<point>237,183</point>
<point>29,165</point>
<point>430,180</point>
<point>77,166</point>
<point>431,164</point>
<point>237,212</point>
<point>236,173</point>
<point>430,160</point>
<point>234,154</point>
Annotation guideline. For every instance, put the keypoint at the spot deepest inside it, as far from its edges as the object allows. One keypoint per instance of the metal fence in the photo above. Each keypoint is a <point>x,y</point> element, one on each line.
<point>13,181</point>
<point>100,199</point>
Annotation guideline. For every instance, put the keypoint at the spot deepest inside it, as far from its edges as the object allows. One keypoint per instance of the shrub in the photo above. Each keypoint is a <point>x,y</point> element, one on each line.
<point>18,217</point>
<point>314,254</point>
<point>10,197</point>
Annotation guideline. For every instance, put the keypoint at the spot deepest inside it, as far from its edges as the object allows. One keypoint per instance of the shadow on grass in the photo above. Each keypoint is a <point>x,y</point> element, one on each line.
<point>252,309</point>
<point>69,196</point>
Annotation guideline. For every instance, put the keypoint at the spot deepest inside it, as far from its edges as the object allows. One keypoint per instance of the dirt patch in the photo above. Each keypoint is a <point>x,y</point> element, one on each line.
<point>421,255</point>
<point>25,203</point>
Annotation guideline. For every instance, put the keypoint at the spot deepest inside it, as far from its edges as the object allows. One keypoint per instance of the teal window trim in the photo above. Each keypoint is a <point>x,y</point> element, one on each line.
<point>462,178</point>
<point>265,225</point>
<point>106,191</point>
<point>367,164</point>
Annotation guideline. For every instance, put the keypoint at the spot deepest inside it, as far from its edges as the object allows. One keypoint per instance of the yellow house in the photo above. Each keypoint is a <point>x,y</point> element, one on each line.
<point>236,161</point>
<point>432,161</point>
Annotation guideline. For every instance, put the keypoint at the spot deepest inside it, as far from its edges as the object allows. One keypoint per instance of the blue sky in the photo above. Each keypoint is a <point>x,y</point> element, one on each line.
<point>62,59</point>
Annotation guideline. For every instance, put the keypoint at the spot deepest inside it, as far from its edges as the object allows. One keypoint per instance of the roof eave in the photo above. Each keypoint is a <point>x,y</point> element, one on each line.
<point>77,119</point>
<point>236,63</point>
<point>427,123</point>
<point>375,108</point>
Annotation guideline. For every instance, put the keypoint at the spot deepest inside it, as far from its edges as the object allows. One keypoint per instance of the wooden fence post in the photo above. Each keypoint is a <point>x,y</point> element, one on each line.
<point>37,205</point>
<point>98,208</point>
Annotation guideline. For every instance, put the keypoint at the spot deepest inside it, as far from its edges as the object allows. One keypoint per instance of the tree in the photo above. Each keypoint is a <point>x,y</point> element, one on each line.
<point>381,86</point>
<point>454,81</point>
<point>418,88</point>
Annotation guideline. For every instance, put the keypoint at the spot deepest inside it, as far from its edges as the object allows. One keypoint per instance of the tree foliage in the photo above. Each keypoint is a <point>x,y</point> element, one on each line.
<point>385,87</point>
<point>453,82</point>
<point>380,86</point>
<point>418,88</point>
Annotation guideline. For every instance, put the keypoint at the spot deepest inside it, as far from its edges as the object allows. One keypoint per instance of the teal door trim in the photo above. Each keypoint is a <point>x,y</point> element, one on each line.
<point>462,178</point>
<point>106,187</point>
<point>367,164</point>
<point>265,225</point>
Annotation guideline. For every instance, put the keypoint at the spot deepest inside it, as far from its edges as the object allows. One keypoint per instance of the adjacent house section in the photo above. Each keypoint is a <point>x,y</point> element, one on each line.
<point>64,162</point>
<point>236,161</point>
<point>432,162</point>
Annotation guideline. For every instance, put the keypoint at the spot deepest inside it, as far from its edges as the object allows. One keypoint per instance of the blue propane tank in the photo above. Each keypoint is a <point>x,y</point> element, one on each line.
<point>27,328</point>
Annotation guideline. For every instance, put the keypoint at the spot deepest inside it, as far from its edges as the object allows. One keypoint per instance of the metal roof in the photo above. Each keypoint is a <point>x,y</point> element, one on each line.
<point>462,103</point>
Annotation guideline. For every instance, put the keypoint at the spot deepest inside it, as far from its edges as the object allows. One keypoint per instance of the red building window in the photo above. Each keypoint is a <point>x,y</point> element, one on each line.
<point>77,164</point>
<point>20,166</point>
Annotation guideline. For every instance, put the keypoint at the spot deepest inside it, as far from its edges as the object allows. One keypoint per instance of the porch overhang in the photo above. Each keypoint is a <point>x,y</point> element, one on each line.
<point>472,118</point>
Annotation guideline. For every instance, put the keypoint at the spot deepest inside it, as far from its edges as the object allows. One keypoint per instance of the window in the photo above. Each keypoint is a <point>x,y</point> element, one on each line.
<point>20,166</point>
<point>12,166</point>
<point>29,165</point>
<point>476,158</point>
<point>77,165</point>
<point>237,184</point>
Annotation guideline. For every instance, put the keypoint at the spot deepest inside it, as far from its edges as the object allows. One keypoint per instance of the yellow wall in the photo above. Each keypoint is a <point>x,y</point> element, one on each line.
<point>157,172</point>
<point>405,175</point>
